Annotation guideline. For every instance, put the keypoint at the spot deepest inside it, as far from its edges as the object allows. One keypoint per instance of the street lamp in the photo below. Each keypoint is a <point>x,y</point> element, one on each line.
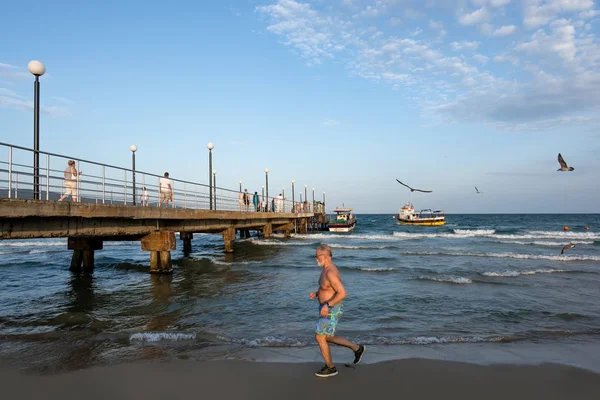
<point>37,69</point>
<point>305,196</point>
<point>210,146</point>
<point>313,203</point>
<point>267,185</point>
<point>323,200</point>
<point>133,149</point>
<point>240,185</point>
<point>293,197</point>
<point>215,183</point>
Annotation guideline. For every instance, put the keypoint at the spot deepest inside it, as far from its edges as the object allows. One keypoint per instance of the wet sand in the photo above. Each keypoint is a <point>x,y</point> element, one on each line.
<point>235,379</point>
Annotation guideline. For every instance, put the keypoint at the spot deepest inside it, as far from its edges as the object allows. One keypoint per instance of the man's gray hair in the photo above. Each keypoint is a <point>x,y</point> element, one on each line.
<point>325,249</point>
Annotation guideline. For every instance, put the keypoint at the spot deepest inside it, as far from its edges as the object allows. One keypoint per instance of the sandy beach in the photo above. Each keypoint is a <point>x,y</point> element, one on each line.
<point>234,379</point>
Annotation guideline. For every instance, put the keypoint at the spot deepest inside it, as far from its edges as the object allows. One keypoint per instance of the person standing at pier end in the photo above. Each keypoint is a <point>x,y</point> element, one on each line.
<point>255,201</point>
<point>330,294</point>
<point>166,191</point>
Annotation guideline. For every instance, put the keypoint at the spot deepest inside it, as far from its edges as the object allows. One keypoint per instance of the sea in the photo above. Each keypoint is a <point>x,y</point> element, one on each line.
<point>495,282</point>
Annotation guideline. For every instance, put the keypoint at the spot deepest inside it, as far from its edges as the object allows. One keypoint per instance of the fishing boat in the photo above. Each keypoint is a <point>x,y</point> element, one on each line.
<point>344,220</point>
<point>426,217</point>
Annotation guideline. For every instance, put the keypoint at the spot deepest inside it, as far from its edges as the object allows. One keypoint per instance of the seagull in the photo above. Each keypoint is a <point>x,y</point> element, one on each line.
<point>567,247</point>
<point>563,164</point>
<point>413,190</point>
<point>477,190</point>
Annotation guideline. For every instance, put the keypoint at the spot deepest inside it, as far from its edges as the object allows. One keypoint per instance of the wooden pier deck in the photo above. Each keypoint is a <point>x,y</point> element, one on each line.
<point>87,226</point>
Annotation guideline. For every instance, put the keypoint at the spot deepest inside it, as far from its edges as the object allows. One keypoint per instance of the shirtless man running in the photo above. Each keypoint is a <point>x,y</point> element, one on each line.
<point>331,292</point>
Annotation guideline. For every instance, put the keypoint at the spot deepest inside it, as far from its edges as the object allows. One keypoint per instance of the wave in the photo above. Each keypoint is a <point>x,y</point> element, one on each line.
<point>452,279</point>
<point>508,255</point>
<point>347,246</point>
<point>539,243</point>
<point>474,232</point>
<point>518,273</point>
<point>162,336</point>
<point>371,269</point>
<point>267,242</point>
<point>36,243</point>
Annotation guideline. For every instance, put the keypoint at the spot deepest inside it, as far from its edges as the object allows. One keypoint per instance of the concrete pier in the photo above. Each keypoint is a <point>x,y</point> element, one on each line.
<point>88,225</point>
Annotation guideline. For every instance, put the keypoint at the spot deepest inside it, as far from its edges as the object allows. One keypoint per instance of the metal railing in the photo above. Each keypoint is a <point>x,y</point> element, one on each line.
<point>108,184</point>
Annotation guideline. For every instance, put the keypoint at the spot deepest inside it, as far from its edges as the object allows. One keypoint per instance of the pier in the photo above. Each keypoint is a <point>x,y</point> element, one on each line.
<point>106,210</point>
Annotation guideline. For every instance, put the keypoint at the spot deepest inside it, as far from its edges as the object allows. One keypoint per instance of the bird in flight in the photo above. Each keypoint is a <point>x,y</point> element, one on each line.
<point>477,190</point>
<point>563,164</point>
<point>414,190</point>
<point>567,247</point>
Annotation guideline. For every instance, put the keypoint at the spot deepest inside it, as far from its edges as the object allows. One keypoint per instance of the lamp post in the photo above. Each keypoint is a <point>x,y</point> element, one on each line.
<point>313,199</point>
<point>37,69</point>
<point>305,196</point>
<point>293,199</point>
<point>240,185</point>
<point>215,183</point>
<point>210,146</point>
<point>133,149</point>
<point>267,185</point>
<point>323,200</point>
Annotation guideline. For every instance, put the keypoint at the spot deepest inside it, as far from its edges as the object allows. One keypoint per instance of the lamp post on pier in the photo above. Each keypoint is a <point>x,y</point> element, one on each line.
<point>37,69</point>
<point>313,203</point>
<point>210,146</point>
<point>293,197</point>
<point>267,185</point>
<point>323,200</point>
<point>305,197</point>
<point>240,185</point>
<point>214,171</point>
<point>133,149</point>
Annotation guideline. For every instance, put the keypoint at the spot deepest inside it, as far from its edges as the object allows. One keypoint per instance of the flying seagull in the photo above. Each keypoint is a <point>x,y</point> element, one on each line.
<point>563,164</point>
<point>414,190</point>
<point>567,247</point>
<point>477,190</point>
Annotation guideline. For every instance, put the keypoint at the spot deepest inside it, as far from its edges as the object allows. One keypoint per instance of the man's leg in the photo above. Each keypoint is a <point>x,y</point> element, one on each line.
<point>325,351</point>
<point>340,341</point>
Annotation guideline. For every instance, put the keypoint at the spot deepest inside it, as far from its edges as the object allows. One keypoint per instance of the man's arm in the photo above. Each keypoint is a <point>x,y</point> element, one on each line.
<point>340,291</point>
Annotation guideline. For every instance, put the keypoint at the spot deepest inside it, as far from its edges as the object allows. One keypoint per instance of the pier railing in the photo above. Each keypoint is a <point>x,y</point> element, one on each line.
<point>108,184</point>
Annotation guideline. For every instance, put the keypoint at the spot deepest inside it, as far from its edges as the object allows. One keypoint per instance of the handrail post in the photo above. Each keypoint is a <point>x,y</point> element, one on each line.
<point>103,187</point>
<point>185,195</point>
<point>47,176</point>
<point>196,193</point>
<point>77,187</point>
<point>125,187</point>
<point>9,172</point>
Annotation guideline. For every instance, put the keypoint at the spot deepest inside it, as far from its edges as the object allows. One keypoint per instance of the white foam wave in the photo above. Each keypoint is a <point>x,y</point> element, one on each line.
<point>38,251</point>
<point>161,336</point>
<point>474,232</point>
<point>373,269</point>
<point>267,242</point>
<point>509,255</point>
<point>518,273</point>
<point>36,243</point>
<point>540,243</point>
<point>351,247</point>
<point>451,279</point>
<point>563,236</point>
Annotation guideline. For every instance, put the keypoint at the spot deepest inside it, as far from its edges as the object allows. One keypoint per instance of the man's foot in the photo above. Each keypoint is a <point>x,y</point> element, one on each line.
<point>359,353</point>
<point>326,372</point>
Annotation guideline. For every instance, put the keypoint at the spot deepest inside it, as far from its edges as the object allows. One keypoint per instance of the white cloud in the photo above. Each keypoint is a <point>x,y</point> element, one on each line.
<point>561,42</point>
<point>499,3</point>
<point>505,30</point>
<point>480,58</point>
<point>63,100</point>
<point>476,17</point>
<point>464,45</point>
<point>589,14</point>
<point>546,80</point>
<point>18,104</point>
<point>541,12</point>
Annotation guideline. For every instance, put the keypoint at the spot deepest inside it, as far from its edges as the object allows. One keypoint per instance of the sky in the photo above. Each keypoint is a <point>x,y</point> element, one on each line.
<point>345,96</point>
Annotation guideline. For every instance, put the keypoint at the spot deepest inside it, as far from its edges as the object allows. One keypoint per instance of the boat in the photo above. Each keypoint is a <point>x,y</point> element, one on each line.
<point>425,217</point>
<point>344,220</point>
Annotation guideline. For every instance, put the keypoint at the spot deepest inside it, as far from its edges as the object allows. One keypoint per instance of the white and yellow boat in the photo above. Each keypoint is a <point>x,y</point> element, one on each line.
<point>426,217</point>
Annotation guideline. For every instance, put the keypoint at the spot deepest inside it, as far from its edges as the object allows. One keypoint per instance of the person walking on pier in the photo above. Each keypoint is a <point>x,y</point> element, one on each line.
<point>330,294</point>
<point>241,197</point>
<point>71,177</point>
<point>247,199</point>
<point>166,191</point>
<point>144,197</point>
<point>255,201</point>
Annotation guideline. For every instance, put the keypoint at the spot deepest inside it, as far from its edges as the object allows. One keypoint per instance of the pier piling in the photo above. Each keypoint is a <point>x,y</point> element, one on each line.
<point>83,252</point>
<point>186,237</point>
<point>228,238</point>
<point>160,244</point>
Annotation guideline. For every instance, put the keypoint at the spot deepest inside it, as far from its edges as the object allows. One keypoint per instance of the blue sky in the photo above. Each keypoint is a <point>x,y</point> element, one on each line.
<point>341,95</point>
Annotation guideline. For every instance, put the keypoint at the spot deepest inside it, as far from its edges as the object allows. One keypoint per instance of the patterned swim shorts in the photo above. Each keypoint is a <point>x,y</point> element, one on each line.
<point>326,326</point>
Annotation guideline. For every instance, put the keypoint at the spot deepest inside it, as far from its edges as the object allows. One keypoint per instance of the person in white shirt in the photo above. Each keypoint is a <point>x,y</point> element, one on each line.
<point>144,197</point>
<point>166,191</point>
<point>71,177</point>
<point>241,198</point>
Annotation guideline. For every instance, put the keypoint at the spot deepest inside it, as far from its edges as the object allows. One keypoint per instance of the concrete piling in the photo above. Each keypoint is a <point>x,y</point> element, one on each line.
<point>160,244</point>
<point>83,252</point>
